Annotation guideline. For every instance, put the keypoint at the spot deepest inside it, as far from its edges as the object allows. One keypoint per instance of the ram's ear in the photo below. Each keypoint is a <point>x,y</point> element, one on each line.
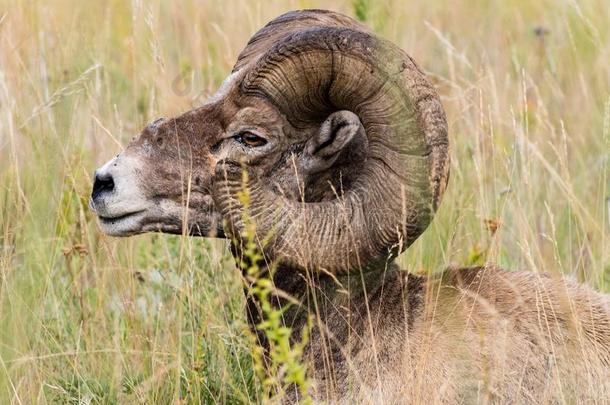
<point>335,133</point>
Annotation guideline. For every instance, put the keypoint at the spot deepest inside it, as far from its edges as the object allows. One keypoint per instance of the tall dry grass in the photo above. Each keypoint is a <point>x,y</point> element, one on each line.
<point>156,319</point>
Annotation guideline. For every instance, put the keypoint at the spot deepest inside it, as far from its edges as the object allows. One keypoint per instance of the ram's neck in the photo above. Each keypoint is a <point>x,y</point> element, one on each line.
<point>338,306</point>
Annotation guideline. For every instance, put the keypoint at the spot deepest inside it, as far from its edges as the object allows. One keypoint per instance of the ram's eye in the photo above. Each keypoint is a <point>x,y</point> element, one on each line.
<point>250,139</point>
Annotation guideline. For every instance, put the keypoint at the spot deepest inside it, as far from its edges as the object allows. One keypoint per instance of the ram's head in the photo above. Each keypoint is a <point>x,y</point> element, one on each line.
<point>343,139</point>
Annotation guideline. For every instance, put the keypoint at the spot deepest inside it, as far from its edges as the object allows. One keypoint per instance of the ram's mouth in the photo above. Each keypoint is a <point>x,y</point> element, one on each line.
<point>125,224</point>
<point>118,218</point>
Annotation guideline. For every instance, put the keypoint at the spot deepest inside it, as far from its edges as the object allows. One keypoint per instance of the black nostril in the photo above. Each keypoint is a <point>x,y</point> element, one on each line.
<point>103,183</point>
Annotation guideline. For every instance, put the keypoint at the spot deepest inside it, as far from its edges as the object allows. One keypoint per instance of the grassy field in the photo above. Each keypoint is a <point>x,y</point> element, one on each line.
<point>85,318</point>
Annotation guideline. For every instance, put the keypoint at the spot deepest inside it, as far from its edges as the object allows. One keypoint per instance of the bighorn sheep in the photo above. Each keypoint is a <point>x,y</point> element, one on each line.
<point>345,145</point>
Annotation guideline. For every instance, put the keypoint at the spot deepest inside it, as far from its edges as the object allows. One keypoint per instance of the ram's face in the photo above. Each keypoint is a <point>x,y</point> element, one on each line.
<point>159,182</point>
<point>163,180</point>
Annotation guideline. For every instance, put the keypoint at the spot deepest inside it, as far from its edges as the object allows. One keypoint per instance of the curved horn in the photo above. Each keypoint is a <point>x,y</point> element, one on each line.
<point>310,74</point>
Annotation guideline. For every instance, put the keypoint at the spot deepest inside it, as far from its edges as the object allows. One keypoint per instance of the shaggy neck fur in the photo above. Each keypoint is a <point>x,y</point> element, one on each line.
<point>349,313</point>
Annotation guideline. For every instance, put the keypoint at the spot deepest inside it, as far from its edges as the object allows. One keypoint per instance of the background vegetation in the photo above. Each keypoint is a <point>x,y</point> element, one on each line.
<point>85,318</point>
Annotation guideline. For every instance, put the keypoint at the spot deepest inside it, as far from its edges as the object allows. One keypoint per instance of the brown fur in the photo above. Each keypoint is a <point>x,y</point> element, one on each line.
<point>470,335</point>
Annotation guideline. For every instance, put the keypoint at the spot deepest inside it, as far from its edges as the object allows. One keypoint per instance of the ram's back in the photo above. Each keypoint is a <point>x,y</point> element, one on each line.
<point>512,337</point>
<point>480,335</point>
